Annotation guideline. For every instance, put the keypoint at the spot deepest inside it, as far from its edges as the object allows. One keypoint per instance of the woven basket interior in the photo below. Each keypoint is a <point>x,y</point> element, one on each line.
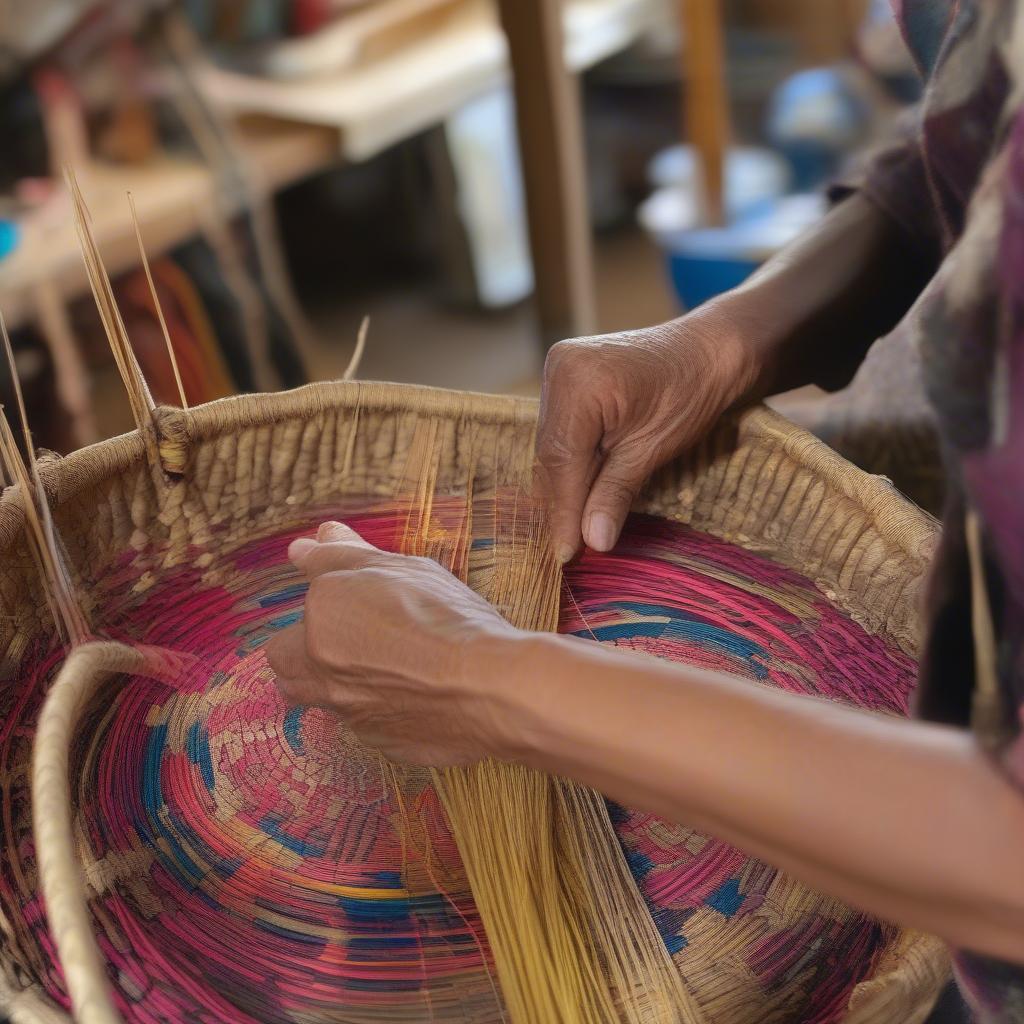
<point>239,477</point>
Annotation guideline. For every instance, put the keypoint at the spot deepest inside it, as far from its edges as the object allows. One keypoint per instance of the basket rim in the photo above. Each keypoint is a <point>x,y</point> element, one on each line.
<point>903,523</point>
<point>64,476</point>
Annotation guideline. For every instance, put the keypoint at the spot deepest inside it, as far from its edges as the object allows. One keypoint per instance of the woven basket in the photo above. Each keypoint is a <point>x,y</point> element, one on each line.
<point>255,465</point>
<point>882,422</point>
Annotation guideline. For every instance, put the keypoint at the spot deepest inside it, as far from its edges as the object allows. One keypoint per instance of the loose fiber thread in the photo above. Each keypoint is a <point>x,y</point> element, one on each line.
<point>68,617</point>
<point>543,902</point>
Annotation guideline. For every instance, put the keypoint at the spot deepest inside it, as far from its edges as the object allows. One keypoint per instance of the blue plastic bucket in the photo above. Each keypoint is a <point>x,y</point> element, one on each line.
<point>706,262</point>
<point>697,278</point>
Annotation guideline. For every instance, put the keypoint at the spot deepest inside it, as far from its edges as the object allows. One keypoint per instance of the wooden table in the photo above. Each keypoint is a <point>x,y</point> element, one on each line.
<point>546,44</point>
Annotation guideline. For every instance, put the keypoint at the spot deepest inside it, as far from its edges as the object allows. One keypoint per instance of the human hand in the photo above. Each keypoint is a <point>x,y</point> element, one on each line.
<point>615,408</point>
<point>389,644</point>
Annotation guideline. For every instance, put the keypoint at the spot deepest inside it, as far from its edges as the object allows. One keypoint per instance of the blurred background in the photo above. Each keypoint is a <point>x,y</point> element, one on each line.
<point>479,177</point>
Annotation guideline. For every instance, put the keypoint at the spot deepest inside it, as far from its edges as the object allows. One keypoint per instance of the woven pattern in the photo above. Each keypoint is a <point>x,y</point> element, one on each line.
<point>304,884</point>
<point>752,945</point>
<point>251,862</point>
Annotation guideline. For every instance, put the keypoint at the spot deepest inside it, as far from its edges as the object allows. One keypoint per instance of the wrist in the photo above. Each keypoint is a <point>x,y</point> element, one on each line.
<point>508,673</point>
<point>740,337</point>
<point>726,340</point>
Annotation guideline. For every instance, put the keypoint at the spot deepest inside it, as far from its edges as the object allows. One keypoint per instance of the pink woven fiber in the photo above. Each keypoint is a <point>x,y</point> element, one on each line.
<point>249,862</point>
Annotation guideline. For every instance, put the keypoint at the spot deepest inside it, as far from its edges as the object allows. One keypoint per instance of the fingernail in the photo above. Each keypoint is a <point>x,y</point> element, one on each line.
<point>564,553</point>
<point>298,549</point>
<point>601,531</point>
<point>332,531</point>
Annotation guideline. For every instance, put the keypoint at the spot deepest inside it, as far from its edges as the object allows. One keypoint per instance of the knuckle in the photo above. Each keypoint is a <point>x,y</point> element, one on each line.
<point>321,590</point>
<point>558,354</point>
<point>376,576</point>
<point>578,385</point>
<point>337,556</point>
<point>564,360</point>
<point>321,561</point>
<point>616,490</point>
<point>554,451</point>
<point>324,594</point>
<point>630,458</point>
<point>321,647</point>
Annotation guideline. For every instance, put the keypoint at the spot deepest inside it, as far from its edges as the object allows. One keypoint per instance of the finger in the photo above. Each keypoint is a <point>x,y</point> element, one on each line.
<point>611,498</point>
<point>315,558</point>
<point>328,533</point>
<point>288,659</point>
<point>333,532</point>
<point>567,462</point>
<point>300,549</point>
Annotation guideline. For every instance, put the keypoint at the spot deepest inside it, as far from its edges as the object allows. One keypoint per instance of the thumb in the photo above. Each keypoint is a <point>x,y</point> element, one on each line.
<point>616,487</point>
<point>567,460</point>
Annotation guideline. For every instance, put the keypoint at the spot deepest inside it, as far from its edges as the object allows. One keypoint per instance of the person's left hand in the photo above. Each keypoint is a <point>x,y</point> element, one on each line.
<point>390,644</point>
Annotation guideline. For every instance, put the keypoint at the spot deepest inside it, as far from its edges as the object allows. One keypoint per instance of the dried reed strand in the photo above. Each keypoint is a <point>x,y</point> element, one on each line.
<point>357,357</point>
<point>572,940</point>
<point>67,614</point>
<point>138,393</point>
<point>156,303</point>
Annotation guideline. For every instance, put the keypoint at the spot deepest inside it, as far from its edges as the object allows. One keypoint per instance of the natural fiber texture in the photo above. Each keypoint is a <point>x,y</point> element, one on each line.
<point>685,597</point>
<point>237,479</point>
<point>883,421</point>
<point>563,949</point>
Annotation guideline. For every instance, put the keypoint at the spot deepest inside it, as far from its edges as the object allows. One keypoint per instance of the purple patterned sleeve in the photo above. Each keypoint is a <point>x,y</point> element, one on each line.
<point>994,470</point>
<point>971,338</point>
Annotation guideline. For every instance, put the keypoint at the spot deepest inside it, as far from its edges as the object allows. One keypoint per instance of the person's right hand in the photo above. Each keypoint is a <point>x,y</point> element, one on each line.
<point>615,408</point>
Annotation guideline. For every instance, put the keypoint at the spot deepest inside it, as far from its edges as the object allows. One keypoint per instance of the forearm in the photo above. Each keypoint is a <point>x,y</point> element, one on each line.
<point>907,821</point>
<point>811,312</point>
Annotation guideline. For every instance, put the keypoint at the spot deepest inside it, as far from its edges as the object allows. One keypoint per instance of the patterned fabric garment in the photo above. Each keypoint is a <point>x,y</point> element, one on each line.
<point>957,189</point>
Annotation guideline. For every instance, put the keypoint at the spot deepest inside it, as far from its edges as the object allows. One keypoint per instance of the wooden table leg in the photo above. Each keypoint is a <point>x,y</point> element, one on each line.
<point>707,101</point>
<point>554,170</point>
